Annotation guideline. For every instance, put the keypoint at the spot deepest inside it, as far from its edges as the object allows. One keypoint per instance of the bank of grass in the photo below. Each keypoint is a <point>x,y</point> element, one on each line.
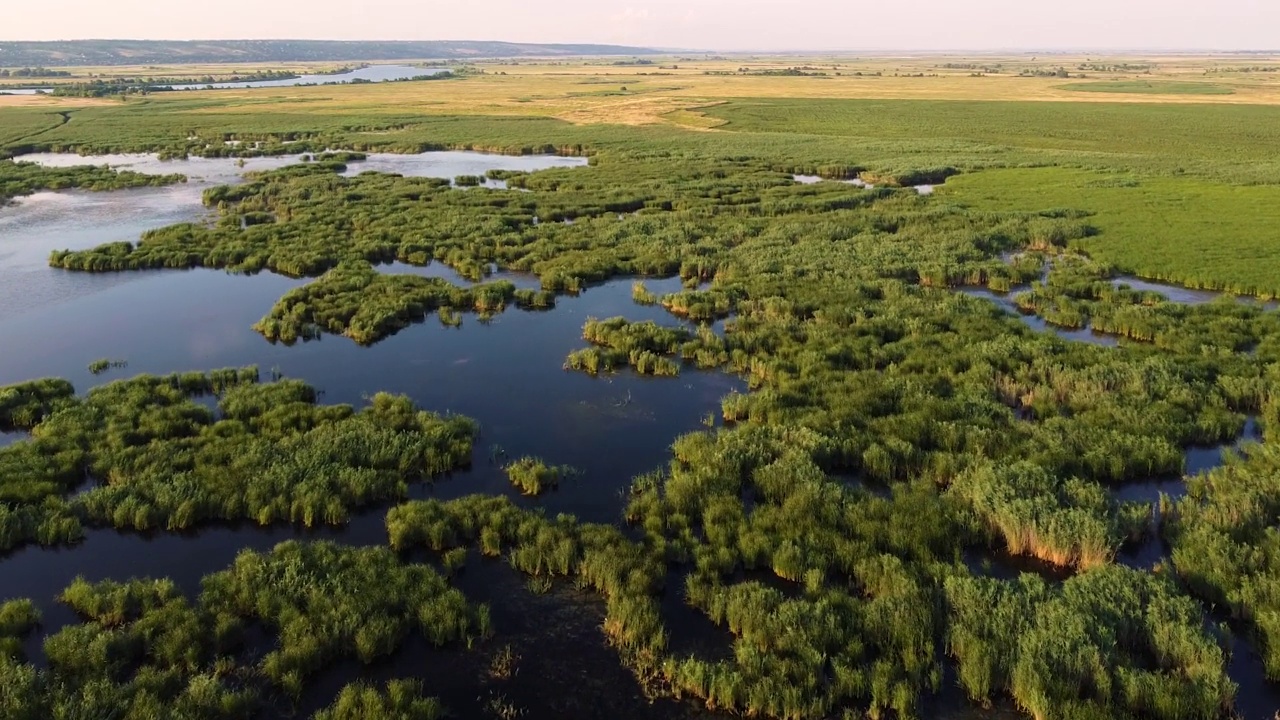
<point>877,135</point>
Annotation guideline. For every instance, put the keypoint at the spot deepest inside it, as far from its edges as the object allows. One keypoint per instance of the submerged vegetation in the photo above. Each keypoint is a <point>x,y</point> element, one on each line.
<point>532,476</point>
<point>401,700</point>
<point>102,365</point>
<point>834,535</point>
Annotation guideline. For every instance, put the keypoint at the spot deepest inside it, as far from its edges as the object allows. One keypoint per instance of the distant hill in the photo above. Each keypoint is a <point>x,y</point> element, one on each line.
<point>162,52</point>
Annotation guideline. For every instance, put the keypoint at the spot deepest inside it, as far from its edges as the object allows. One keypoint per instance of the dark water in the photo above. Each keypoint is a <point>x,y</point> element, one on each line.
<point>507,374</point>
<point>373,73</point>
<point>563,669</point>
<point>1198,459</point>
<point>997,562</point>
<point>1257,697</point>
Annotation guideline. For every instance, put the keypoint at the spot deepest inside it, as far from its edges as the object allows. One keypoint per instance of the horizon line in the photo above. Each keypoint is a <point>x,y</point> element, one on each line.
<point>1061,49</point>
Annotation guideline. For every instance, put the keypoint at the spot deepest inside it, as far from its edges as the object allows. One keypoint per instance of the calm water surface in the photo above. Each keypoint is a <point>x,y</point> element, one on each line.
<point>1184,295</point>
<point>507,374</point>
<point>37,224</point>
<point>373,73</point>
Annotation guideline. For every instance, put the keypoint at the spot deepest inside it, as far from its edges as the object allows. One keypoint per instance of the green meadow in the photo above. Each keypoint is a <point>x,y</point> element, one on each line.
<point>1182,230</point>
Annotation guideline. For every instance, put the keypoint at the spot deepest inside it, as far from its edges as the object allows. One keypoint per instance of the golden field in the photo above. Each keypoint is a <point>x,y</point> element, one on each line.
<point>671,89</point>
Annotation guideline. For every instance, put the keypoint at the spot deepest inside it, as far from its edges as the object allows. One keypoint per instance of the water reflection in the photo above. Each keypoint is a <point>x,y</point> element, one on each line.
<point>1184,295</point>
<point>507,375</point>
<point>451,164</point>
<point>444,272</point>
<point>370,74</point>
<point>1197,459</point>
<point>35,225</point>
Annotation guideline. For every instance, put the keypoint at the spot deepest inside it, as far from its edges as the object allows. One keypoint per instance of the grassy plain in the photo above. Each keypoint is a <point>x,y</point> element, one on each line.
<point>1182,230</point>
<point>1151,218</point>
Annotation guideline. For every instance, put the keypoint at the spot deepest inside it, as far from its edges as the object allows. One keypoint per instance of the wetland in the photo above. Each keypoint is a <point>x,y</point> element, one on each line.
<point>661,429</point>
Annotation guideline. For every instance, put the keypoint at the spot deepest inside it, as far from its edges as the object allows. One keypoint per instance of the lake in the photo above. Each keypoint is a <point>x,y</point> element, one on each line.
<point>373,73</point>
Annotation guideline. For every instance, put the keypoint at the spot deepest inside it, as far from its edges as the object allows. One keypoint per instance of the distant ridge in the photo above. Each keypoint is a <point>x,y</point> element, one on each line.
<point>159,52</point>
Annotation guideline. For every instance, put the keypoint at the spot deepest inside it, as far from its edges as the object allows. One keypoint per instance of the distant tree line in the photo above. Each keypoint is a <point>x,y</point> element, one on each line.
<point>1114,67</point>
<point>34,72</point>
<point>1060,72</point>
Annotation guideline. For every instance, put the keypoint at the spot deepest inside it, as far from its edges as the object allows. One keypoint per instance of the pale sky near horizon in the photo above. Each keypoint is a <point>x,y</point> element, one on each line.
<point>690,24</point>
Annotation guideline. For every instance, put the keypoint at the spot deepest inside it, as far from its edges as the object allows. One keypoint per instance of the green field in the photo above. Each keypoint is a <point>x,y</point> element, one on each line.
<point>1217,141</point>
<point>1177,192</point>
<point>1186,231</point>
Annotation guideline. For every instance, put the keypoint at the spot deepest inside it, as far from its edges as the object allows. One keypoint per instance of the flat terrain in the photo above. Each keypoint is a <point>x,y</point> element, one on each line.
<point>1163,118</point>
<point>799,388</point>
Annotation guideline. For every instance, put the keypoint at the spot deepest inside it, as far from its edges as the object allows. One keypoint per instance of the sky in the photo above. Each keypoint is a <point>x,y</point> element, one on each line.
<point>687,24</point>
